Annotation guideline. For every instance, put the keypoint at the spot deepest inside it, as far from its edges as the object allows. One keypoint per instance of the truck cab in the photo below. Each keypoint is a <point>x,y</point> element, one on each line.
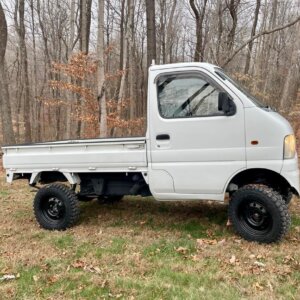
<point>207,138</point>
<point>204,130</point>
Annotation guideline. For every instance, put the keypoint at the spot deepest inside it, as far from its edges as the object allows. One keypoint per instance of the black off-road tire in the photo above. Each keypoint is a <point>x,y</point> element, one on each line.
<point>56,207</point>
<point>258,213</point>
<point>288,198</point>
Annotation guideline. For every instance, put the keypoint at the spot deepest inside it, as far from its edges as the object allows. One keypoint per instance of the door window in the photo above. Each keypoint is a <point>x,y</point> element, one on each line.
<point>184,96</point>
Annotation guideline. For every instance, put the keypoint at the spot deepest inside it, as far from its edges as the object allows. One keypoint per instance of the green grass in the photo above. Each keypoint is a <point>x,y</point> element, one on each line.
<point>116,246</point>
<point>168,283</point>
<point>33,281</point>
<point>4,193</point>
<point>141,249</point>
<point>63,242</point>
<point>295,220</point>
<point>164,249</point>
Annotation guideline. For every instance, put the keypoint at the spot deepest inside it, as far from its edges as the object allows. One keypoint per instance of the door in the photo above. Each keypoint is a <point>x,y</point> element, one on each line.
<point>193,143</point>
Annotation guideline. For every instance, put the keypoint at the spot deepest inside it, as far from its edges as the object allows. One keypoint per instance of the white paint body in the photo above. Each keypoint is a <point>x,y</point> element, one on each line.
<point>197,162</point>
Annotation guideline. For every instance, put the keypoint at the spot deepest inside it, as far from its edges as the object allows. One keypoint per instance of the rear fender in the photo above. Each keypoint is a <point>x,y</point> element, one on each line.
<point>72,178</point>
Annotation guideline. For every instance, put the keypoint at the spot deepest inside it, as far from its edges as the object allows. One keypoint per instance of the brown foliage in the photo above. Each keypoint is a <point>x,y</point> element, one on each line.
<point>78,78</point>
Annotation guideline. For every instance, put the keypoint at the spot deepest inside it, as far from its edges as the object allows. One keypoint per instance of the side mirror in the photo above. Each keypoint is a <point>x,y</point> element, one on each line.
<point>226,104</point>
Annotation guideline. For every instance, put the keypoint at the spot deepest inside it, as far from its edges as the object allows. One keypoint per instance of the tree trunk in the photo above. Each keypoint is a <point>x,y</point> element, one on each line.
<point>100,71</point>
<point>233,10</point>
<point>131,60</point>
<point>292,80</point>
<point>5,109</point>
<point>219,57</point>
<point>36,105</point>
<point>170,32</point>
<point>199,16</point>
<point>68,132</point>
<point>85,24</point>
<point>253,32</point>
<point>20,27</point>
<point>151,31</point>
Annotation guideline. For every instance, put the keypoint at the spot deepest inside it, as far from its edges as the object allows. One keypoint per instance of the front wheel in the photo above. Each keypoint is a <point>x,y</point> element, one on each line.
<point>258,213</point>
<point>56,207</point>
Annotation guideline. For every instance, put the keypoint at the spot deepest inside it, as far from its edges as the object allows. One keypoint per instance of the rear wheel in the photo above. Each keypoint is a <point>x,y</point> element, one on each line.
<point>56,207</point>
<point>258,213</point>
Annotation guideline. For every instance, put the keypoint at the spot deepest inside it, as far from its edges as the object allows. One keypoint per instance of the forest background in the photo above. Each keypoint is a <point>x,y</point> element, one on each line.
<point>78,68</point>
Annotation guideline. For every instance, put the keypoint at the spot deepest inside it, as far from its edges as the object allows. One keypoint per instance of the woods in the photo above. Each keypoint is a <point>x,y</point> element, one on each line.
<point>78,68</point>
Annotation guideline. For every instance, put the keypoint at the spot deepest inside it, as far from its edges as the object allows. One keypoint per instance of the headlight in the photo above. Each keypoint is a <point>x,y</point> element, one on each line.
<point>289,146</point>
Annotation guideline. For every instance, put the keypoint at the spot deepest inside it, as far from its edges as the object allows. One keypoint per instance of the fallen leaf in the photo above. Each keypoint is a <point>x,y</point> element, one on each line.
<point>78,264</point>
<point>232,259</point>
<point>270,286</point>
<point>104,284</point>
<point>8,277</point>
<point>203,242</point>
<point>92,269</point>
<point>52,279</point>
<point>200,243</point>
<point>181,250</point>
<point>35,278</point>
<point>196,257</point>
<point>258,286</point>
<point>259,264</point>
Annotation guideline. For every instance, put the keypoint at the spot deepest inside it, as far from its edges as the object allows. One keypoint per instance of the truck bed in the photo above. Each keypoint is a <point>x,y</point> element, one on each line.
<point>96,155</point>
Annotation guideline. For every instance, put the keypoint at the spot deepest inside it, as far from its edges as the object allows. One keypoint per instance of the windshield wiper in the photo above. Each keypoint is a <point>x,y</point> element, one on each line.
<point>162,85</point>
<point>189,100</point>
<point>199,103</point>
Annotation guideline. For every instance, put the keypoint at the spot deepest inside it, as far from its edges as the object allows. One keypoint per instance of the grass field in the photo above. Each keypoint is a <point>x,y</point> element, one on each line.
<point>141,249</point>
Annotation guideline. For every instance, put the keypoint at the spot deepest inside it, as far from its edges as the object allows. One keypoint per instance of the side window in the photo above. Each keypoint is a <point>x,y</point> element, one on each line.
<point>184,96</point>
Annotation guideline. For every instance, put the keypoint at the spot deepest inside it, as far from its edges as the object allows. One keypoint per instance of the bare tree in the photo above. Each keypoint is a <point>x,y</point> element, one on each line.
<point>100,72</point>
<point>264,47</point>
<point>232,6</point>
<point>85,24</point>
<point>20,28</point>
<point>5,109</point>
<point>253,31</point>
<point>151,31</point>
<point>199,13</point>
<point>265,32</point>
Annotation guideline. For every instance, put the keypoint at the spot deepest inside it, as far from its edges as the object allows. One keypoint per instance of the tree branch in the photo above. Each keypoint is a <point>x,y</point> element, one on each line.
<point>257,36</point>
<point>195,10</point>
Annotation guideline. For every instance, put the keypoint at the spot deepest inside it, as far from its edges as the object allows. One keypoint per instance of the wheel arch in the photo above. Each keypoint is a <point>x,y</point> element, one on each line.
<point>259,176</point>
<point>53,176</point>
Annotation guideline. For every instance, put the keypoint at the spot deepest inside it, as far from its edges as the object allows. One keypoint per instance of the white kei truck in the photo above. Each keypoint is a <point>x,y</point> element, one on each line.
<point>207,139</point>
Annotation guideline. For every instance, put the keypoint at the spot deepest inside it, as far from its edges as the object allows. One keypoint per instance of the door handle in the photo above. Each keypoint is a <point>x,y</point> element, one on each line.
<point>162,137</point>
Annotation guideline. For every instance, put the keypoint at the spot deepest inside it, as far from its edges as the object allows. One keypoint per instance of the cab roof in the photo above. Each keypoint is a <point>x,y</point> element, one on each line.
<point>207,66</point>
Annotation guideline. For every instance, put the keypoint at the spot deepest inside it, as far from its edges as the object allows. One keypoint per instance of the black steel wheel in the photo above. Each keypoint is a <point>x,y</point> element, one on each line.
<point>258,213</point>
<point>56,207</point>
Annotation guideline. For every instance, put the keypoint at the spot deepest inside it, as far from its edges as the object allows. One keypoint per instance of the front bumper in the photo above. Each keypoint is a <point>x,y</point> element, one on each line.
<point>290,171</point>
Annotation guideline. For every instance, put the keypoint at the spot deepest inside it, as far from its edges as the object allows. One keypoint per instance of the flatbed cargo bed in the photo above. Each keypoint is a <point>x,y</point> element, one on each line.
<point>99,155</point>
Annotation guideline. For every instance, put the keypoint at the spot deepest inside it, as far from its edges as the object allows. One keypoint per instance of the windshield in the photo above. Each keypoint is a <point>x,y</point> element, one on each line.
<point>224,76</point>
